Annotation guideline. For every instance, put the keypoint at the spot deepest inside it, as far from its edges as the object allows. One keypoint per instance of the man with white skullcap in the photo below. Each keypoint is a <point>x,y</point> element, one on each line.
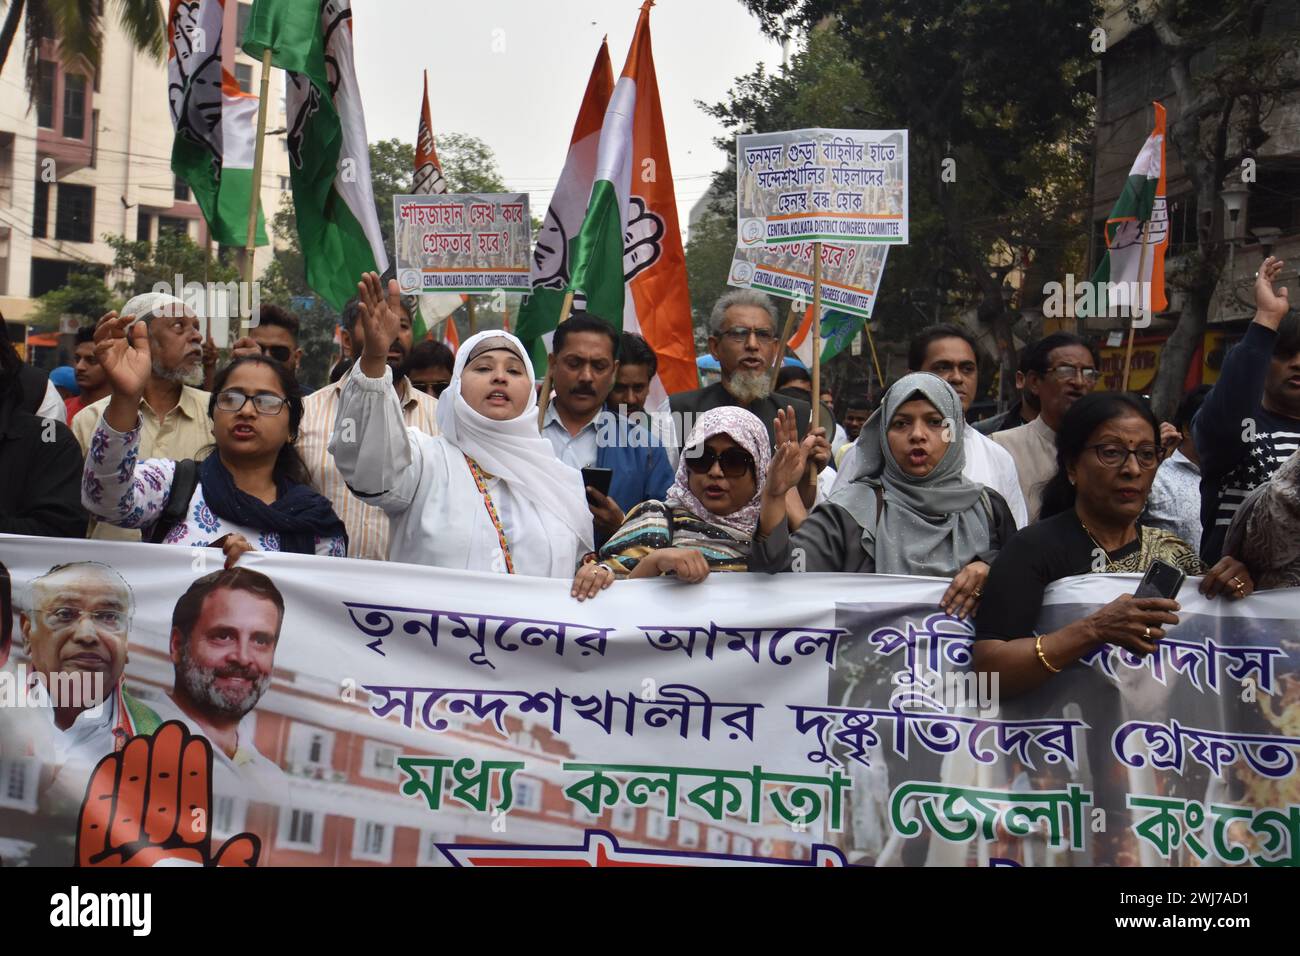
<point>174,418</point>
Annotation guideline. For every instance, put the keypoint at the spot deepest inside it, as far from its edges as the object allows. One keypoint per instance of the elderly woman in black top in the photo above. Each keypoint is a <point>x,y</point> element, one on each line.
<point>1107,452</point>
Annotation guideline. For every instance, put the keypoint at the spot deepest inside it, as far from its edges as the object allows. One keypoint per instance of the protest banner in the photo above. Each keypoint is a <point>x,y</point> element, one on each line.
<point>462,242</point>
<point>851,274</point>
<point>832,185</point>
<point>365,713</point>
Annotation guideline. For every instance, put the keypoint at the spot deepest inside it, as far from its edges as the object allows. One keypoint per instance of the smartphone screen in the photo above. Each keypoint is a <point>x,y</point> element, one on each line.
<point>598,478</point>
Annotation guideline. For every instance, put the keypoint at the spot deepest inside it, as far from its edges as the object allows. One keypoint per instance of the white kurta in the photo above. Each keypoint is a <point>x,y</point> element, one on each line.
<point>425,486</point>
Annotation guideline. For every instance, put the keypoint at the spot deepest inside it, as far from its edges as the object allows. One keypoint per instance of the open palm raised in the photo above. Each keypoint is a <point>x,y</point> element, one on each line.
<point>122,349</point>
<point>381,315</point>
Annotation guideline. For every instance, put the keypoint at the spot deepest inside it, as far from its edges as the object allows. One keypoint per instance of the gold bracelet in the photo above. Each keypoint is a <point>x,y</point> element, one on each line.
<point>1038,646</point>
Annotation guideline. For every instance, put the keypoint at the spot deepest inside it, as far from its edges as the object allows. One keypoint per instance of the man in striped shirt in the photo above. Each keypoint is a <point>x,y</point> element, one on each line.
<point>367,526</point>
<point>1250,422</point>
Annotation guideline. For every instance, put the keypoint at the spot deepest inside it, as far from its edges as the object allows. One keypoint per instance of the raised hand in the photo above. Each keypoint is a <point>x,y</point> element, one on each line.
<point>151,805</point>
<point>245,346</point>
<point>122,349</point>
<point>1271,305</point>
<point>791,458</point>
<point>380,320</point>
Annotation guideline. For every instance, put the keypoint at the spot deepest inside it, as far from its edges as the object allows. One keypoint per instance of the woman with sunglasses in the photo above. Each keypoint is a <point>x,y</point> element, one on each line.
<point>707,520</point>
<point>907,509</point>
<point>1107,453</point>
<point>252,492</point>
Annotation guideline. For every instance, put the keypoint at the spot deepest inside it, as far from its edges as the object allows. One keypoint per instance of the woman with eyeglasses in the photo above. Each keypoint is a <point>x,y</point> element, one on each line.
<point>705,523</point>
<point>252,492</point>
<point>907,509</point>
<point>1108,449</point>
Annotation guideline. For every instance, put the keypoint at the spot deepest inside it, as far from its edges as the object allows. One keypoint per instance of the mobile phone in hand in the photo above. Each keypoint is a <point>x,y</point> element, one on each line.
<point>1162,580</point>
<point>598,478</point>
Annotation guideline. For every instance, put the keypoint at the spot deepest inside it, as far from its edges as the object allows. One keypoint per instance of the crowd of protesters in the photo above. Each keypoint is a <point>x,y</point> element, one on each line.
<point>414,454</point>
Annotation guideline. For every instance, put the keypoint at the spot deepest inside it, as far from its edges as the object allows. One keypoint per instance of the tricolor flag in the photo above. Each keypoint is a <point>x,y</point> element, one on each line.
<point>427,180</point>
<point>540,312</point>
<point>450,335</point>
<point>215,122</point>
<point>838,331</point>
<point>628,264</point>
<point>1142,200</point>
<point>329,157</point>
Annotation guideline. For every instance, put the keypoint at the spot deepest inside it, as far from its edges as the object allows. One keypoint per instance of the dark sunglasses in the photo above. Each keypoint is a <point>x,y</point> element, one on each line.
<point>280,353</point>
<point>735,461</point>
<point>431,388</point>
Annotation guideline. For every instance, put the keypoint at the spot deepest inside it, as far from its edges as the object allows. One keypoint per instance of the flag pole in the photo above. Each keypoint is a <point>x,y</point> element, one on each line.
<point>250,247</point>
<point>544,400</point>
<point>469,308</point>
<point>1142,265</point>
<point>814,415</point>
<point>785,337</point>
<point>875,360</point>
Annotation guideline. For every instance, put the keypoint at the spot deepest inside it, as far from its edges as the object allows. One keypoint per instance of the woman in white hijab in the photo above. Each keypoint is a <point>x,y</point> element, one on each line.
<point>486,494</point>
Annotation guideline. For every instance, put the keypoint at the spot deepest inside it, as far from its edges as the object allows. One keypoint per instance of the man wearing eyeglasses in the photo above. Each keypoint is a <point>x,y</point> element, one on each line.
<point>74,632</point>
<point>367,527</point>
<point>274,335</point>
<point>1062,368</point>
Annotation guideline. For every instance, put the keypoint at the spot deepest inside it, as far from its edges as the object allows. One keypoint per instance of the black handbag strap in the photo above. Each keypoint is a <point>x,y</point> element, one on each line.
<point>184,481</point>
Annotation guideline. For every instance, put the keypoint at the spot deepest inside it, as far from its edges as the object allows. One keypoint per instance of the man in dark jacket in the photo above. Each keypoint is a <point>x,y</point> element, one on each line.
<point>1249,423</point>
<point>40,464</point>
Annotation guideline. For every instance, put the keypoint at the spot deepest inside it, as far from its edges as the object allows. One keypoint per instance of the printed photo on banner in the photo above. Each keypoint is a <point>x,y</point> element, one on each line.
<point>851,274</point>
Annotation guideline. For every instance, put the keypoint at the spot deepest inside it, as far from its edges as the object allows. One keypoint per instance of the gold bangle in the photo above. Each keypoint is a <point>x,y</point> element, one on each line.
<point>1038,646</point>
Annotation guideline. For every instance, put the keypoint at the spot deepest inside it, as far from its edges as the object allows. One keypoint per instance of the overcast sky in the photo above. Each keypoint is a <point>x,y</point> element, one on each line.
<point>523,100</point>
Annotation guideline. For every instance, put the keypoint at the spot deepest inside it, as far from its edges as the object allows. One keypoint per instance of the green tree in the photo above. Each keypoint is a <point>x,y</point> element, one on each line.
<point>144,264</point>
<point>84,296</point>
<point>78,26</point>
<point>988,92</point>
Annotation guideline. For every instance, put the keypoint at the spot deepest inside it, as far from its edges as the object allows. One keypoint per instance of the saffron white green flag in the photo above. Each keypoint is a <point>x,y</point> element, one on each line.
<point>338,226</point>
<point>427,179</point>
<point>540,312</point>
<point>1140,217</point>
<point>628,266</point>
<point>215,121</point>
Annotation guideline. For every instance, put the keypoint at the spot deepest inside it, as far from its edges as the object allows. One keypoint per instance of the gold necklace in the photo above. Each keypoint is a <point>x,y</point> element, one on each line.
<point>1094,540</point>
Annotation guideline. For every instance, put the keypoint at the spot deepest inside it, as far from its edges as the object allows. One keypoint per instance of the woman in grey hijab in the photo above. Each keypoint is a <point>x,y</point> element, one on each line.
<point>906,510</point>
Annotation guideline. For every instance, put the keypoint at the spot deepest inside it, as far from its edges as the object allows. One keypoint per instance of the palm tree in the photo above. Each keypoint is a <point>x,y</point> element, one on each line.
<point>78,26</point>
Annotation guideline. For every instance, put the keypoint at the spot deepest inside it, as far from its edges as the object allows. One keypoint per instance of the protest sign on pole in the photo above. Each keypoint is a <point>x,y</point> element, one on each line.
<point>462,242</point>
<point>412,716</point>
<point>851,274</point>
<point>832,185</point>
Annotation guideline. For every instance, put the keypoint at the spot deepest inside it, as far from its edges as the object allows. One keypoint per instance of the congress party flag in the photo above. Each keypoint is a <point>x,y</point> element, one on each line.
<point>215,122</point>
<point>540,312</point>
<point>1116,285</point>
<point>338,226</point>
<point>628,264</point>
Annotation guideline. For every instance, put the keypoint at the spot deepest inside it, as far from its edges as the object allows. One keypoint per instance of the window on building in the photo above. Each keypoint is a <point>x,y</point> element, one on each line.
<point>170,224</point>
<point>18,778</point>
<point>94,139</point>
<point>657,826</point>
<point>285,184</point>
<point>74,217</point>
<point>310,746</point>
<point>528,794</point>
<point>180,189</point>
<point>625,819</point>
<point>300,829</point>
<point>718,841</point>
<point>4,260</point>
<point>48,275</point>
<point>46,72</point>
<point>74,106</point>
<point>143,227</point>
<point>430,855</point>
<point>244,75</point>
<point>41,212</point>
<point>6,169</point>
<point>372,841</point>
<point>228,816</point>
<point>379,760</point>
<point>742,846</point>
<point>688,833</point>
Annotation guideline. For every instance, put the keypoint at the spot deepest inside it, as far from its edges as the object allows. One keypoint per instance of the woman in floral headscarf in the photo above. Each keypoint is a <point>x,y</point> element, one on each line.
<point>708,519</point>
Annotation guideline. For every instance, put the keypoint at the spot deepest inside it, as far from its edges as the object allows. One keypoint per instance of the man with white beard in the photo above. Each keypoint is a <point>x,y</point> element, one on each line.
<point>174,420</point>
<point>744,338</point>
<point>225,629</point>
